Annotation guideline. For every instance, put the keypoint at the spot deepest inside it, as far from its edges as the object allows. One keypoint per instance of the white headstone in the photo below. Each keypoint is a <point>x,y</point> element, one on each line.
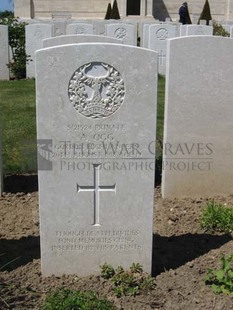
<point>4,53</point>
<point>35,34</point>
<point>183,30</point>
<point>96,122</point>
<point>143,22</point>
<point>99,25</point>
<point>70,39</point>
<point>158,35</point>
<point>198,145</point>
<point>59,27</point>
<point>144,42</point>
<point>79,28</point>
<point>198,30</point>
<point>230,31</point>
<point>144,38</point>
<point>125,32</point>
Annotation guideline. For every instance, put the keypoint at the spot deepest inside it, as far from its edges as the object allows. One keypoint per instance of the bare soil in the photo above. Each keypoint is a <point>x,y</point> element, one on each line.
<point>182,254</point>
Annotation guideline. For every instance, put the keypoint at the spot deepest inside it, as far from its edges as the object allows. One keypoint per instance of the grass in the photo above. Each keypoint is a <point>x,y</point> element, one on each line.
<point>18,122</point>
<point>217,217</point>
<point>221,280</point>
<point>64,299</point>
<point>160,107</point>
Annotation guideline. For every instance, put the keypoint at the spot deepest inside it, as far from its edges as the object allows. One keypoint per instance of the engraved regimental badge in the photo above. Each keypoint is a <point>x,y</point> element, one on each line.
<point>96,90</point>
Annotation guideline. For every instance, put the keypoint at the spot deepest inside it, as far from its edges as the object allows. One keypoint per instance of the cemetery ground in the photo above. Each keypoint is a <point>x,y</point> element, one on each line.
<point>182,250</point>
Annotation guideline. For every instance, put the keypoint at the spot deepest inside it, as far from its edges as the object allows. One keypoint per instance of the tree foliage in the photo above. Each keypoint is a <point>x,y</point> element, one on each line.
<point>16,31</point>
<point>205,14</point>
<point>218,30</point>
<point>188,19</point>
<point>115,12</point>
<point>6,14</point>
<point>108,12</point>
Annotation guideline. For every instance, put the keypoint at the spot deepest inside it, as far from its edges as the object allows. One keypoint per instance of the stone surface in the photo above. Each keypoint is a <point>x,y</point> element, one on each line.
<point>79,28</point>
<point>4,53</point>
<point>59,27</point>
<point>183,30</point>
<point>144,32</point>
<point>197,30</point>
<point>158,35</point>
<point>96,124</point>
<point>198,145</point>
<point>35,33</point>
<point>125,32</point>
<point>70,39</point>
<point>99,26</point>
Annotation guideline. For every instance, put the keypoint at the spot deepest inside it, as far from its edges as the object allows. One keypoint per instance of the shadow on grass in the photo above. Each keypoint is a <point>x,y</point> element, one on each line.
<point>173,252</point>
<point>15,253</point>
<point>21,183</point>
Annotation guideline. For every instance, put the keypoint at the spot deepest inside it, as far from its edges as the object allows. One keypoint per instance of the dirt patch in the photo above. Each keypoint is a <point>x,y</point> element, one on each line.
<point>182,253</point>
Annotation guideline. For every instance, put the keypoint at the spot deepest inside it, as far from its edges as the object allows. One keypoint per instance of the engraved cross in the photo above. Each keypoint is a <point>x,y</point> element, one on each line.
<point>162,58</point>
<point>96,189</point>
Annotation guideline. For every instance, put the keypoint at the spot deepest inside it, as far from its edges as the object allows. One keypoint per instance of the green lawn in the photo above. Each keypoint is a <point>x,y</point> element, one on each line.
<point>18,122</point>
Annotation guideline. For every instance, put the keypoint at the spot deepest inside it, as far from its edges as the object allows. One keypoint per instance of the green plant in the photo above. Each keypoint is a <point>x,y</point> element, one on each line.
<point>218,30</point>
<point>107,271</point>
<point>205,14</point>
<point>17,43</point>
<point>64,299</point>
<point>221,280</point>
<point>5,14</point>
<point>188,19</point>
<point>108,12</point>
<point>128,283</point>
<point>136,268</point>
<point>115,12</point>
<point>217,217</point>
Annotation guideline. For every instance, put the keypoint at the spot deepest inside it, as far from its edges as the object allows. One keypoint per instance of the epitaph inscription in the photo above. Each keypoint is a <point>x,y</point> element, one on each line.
<point>96,90</point>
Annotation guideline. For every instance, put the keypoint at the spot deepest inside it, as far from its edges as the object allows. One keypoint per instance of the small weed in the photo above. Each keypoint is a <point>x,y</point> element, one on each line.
<point>217,217</point>
<point>136,268</point>
<point>63,299</point>
<point>221,280</point>
<point>218,30</point>
<point>107,271</point>
<point>128,283</point>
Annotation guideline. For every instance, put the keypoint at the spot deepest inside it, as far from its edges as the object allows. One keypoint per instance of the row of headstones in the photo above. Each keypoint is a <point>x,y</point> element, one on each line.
<point>153,36</point>
<point>96,126</point>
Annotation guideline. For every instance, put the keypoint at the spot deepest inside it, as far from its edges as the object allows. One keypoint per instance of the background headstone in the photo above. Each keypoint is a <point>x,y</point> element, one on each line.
<point>197,30</point>
<point>99,25</point>
<point>79,28</point>
<point>59,27</point>
<point>35,33</point>
<point>158,35</point>
<point>96,118</point>
<point>4,53</point>
<point>183,30</point>
<point>125,32</point>
<point>70,39</point>
<point>198,145</point>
